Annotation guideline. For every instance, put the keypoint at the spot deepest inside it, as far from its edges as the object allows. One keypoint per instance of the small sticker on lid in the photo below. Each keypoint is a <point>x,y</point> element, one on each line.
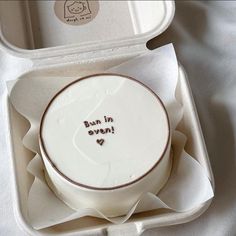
<point>76,12</point>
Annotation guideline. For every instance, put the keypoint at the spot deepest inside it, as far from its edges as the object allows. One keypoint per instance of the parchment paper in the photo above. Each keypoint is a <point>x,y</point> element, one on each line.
<point>188,186</point>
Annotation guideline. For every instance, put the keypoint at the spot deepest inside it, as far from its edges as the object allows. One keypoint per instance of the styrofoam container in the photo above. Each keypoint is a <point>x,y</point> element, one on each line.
<point>93,54</point>
<point>119,26</point>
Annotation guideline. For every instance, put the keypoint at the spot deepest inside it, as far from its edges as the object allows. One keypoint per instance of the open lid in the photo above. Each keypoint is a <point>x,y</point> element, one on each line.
<point>47,28</point>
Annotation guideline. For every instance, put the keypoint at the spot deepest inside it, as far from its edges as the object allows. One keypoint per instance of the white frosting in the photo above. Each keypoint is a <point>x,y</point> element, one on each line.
<point>136,131</point>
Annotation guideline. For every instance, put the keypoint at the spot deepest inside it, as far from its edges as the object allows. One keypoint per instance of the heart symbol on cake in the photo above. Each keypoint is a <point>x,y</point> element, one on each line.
<point>100,141</point>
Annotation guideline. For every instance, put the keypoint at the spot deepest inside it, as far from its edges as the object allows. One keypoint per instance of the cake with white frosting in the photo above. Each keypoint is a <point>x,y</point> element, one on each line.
<point>105,140</point>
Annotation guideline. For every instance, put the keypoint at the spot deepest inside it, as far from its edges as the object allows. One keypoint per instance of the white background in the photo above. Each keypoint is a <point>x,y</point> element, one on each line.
<point>204,36</point>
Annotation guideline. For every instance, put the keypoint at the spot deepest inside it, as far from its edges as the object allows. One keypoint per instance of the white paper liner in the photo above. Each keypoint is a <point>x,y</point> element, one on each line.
<point>188,186</point>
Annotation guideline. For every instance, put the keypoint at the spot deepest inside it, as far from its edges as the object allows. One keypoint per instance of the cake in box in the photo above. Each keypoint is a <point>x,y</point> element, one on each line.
<point>114,32</point>
<point>105,141</point>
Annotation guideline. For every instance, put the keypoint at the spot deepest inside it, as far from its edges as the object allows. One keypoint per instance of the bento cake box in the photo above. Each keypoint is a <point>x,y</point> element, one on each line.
<point>117,31</point>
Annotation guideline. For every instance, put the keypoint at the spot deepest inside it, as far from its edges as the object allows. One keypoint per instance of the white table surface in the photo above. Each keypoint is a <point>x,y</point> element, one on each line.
<point>204,36</point>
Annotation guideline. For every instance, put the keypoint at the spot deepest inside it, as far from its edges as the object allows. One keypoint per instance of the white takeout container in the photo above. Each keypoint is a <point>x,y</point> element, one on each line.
<point>98,51</point>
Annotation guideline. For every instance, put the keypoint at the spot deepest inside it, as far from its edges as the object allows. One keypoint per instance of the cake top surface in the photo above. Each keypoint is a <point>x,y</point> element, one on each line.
<point>104,131</point>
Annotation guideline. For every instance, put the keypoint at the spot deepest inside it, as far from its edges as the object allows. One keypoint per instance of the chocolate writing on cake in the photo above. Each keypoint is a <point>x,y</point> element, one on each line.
<point>94,128</point>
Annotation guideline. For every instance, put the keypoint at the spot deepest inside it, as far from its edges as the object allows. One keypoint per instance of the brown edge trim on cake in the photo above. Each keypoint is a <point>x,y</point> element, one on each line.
<point>87,186</point>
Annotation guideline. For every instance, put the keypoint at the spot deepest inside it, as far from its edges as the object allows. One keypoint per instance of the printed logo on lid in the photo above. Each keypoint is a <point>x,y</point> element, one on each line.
<point>77,12</point>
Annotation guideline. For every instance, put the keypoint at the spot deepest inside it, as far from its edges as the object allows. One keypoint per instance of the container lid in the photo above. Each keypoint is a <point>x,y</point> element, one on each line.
<point>40,28</point>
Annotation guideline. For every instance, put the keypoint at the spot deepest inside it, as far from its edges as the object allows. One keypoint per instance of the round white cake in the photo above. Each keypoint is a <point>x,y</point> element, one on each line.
<point>103,138</point>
